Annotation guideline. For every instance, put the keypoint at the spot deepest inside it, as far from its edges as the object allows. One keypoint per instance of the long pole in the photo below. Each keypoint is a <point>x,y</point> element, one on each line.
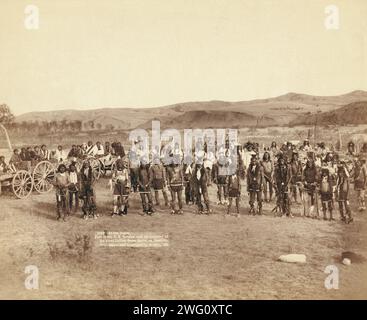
<point>6,136</point>
<point>340,140</point>
<point>314,132</point>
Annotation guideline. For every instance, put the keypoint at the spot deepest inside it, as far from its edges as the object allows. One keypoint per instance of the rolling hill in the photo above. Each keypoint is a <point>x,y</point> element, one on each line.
<point>291,108</point>
<point>352,113</point>
<point>212,119</point>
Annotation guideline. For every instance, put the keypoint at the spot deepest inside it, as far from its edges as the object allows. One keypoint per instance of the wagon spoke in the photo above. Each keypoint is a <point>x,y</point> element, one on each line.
<point>43,175</point>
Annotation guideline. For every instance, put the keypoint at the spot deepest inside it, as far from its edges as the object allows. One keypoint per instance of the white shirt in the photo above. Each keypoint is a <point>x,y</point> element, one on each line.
<point>97,152</point>
<point>73,177</point>
<point>209,160</point>
<point>45,154</point>
<point>246,157</point>
<point>60,155</point>
<point>188,170</point>
<point>198,174</point>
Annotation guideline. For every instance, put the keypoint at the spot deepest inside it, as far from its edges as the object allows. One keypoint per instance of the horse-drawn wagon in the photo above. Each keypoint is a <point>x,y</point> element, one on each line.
<point>27,175</point>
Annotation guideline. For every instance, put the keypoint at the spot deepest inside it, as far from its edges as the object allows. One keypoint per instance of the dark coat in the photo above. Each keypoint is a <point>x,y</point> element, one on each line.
<point>201,183</point>
<point>282,177</point>
<point>255,177</point>
<point>87,180</point>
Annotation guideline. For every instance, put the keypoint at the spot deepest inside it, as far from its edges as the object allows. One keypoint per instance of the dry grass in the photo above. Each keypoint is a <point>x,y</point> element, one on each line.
<point>77,248</point>
<point>209,257</point>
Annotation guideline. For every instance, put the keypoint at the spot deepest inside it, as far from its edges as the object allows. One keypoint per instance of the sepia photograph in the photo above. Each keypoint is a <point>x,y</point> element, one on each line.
<point>183,150</point>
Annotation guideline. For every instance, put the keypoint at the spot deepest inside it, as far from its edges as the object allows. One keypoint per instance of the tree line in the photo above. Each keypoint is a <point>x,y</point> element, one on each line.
<point>47,127</point>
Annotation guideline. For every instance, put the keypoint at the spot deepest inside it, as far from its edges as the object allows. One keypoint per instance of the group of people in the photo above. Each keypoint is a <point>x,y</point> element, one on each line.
<point>312,175</point>
<point>41,153</point>
<point>306,175</point>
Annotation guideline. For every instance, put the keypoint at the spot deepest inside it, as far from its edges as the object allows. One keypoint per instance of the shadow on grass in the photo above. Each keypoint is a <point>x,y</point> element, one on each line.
<point>43,209</point>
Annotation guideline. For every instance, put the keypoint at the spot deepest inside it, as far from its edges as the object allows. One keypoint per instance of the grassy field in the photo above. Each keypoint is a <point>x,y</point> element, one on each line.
<point>208,257</point>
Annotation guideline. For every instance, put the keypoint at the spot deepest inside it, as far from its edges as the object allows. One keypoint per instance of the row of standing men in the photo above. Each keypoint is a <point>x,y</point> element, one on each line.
<point>287,177</point>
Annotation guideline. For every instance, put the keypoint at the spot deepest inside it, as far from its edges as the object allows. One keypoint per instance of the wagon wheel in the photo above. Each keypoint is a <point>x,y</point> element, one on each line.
<point>103,169</point>
<point>22,184</point>
<point>43,176</point>
<point>113,165</point>
<point>109,167</point>
<point>97,167</point>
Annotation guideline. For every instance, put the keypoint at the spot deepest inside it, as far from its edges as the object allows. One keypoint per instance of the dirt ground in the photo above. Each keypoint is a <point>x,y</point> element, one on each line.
<point>208,257</point>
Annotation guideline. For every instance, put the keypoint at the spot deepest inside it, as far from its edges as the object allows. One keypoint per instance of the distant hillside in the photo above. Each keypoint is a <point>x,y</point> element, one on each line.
<point>353,113</point>
<point>282,110</point>
<point>212,119</point>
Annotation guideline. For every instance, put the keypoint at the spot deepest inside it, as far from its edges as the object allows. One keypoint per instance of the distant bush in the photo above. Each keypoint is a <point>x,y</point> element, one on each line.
<point>78,248</point>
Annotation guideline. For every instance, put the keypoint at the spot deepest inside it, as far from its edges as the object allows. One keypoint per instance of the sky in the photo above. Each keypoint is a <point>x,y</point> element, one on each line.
<point>147,53</point>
